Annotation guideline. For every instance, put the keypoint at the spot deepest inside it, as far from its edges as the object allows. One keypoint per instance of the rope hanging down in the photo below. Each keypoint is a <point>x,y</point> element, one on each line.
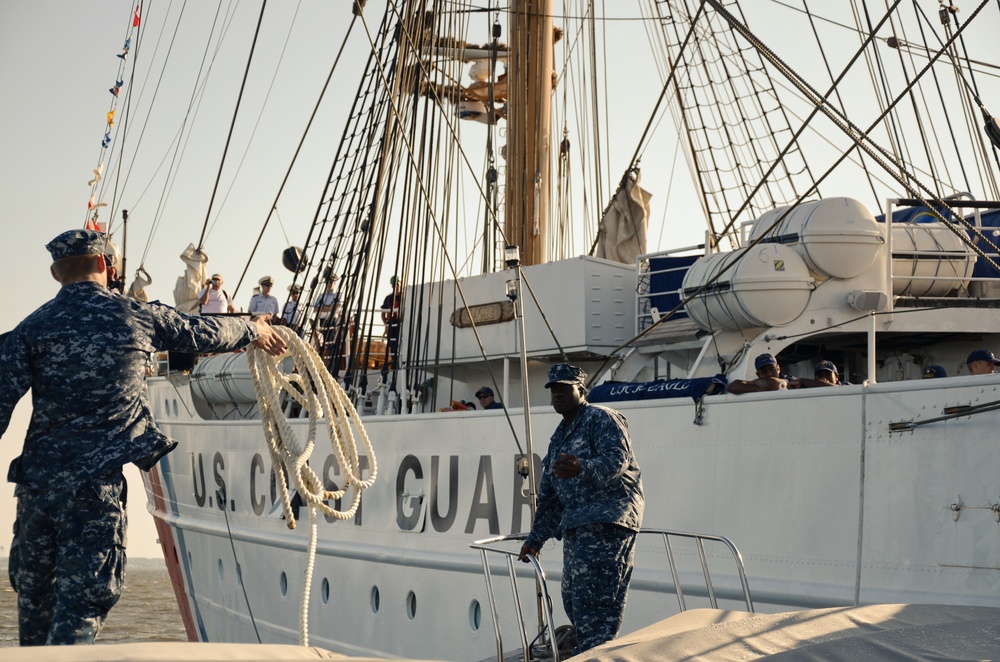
<point>311,386</point>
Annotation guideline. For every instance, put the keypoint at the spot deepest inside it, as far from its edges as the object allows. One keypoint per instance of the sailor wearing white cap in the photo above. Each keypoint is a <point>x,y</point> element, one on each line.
<point>263,304</point>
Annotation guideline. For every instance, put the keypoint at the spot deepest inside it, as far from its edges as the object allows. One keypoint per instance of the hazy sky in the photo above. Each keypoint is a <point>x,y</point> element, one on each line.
<point>60,59</point>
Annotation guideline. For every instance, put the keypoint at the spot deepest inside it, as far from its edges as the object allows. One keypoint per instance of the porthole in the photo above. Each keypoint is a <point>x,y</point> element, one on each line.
<point>239,573</point>
<point>283,583</point>
<point>324,590</point>
<point>222,573</point>
<point>166,407</point>
<point>175,406</point>
<point>411,605</point>
<point>475,615</point>
<point>374,600</point>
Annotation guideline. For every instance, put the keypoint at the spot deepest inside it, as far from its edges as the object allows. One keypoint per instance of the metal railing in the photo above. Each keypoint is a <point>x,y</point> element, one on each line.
<point>484,547</point>
<point>492,545</point>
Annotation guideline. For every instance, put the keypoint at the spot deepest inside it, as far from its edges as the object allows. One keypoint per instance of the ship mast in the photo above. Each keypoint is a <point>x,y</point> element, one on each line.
<point>529,111</point>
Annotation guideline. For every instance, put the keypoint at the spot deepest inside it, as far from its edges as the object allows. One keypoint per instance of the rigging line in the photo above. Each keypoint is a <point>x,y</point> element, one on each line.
<point>760,107</point>
<point>877,76</point>
<point>915,49</point>
<point>433,217</point>
<point>282,226</point>
<point>670,80</point>
<point>599,166</point>
<point>944,104</point>
<point>606,175</point>
<point>454,134</point>
<point>829,72</point>
<point>864,141</point>
<point>158,213</point>
<point>99,185</point>
<point>805,123</point>
<point>392,106</point>
<point>953,12</point>
<point>260,115</point>
<point>232,125</point>
<point>920,129</point>
<point>239,575</point>
<point>125,117</point>
<point>899,43</point>
<point>974,91</point>
<point>298,148</point>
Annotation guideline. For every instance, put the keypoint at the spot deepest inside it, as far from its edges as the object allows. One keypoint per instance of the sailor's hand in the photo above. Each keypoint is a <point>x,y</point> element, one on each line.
<point>567,466</point>
<point>268,340</point>
<point>527,551</point>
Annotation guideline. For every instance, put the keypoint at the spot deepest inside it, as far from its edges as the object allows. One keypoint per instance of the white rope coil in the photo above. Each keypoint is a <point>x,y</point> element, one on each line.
<point>312,386</point>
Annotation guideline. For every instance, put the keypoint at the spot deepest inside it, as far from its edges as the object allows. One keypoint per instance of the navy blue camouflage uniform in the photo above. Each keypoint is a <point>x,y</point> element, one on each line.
<point>597,515</point>
<point>83,355</point>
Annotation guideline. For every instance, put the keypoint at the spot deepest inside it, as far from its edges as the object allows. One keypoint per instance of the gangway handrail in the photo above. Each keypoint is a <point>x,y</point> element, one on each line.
<point>700,539</point>
<point>487,545</point>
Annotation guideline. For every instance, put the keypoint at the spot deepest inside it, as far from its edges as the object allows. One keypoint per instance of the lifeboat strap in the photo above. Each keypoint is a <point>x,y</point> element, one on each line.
<point>308,383</point>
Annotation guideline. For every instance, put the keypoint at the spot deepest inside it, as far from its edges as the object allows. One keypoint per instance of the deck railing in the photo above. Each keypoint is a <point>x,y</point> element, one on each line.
<point>495,545</point>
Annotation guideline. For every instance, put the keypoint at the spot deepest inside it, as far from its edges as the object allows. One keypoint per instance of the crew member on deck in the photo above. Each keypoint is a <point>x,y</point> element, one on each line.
<point>982,362</point>
<point>590,495</point>
<point>826,375</point>
<point>83,355</point>
<point>328,328</point>
<point>934,371</point>
<point>486,399</point>
<point>293,314</point>
<point>263,304</point>
<point>213,299</point>
<point>392,312</point>
<point>768,377</point>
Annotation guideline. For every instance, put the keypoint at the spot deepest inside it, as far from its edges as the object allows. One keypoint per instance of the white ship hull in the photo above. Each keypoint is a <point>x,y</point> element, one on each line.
<point>829,507</point>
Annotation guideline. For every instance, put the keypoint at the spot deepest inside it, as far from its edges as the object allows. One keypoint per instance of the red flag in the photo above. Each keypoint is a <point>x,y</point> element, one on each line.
<point>92,225</point>
<point>135,18</point>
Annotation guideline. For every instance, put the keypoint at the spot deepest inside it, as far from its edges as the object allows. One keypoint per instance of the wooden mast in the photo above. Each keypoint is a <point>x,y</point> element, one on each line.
<point>529,112</point>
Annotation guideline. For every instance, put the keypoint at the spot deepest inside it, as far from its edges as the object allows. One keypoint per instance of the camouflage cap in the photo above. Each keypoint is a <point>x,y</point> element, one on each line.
<point>77,242</point>
<point>564,373</point>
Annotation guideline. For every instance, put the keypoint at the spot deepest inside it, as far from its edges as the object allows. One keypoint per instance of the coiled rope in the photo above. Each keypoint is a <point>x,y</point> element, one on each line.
<point>310,385</point>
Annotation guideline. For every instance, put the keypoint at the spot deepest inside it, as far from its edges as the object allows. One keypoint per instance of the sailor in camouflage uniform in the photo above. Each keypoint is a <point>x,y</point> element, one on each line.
<point>83,355</point>
<point>590,495</point>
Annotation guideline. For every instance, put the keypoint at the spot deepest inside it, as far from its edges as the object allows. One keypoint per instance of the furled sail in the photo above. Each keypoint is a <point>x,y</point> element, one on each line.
<point>622,231</point>
<point>137,290</point>
<point>189,285</point>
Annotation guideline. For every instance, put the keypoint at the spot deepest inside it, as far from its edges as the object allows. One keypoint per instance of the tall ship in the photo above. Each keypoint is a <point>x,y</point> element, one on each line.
<point>480,221</point>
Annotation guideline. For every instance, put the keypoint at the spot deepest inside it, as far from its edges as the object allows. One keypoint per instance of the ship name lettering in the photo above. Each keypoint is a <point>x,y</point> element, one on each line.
<point>415,498</point>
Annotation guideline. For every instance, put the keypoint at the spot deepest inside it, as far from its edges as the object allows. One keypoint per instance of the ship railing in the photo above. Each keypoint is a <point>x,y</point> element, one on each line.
<point>491,546</point>
<point>496,545</point>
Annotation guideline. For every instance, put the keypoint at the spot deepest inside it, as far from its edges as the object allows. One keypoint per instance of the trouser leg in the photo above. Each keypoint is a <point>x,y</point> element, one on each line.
<point>32,569</point>
<point>91,562</point>
<point>597,572</point>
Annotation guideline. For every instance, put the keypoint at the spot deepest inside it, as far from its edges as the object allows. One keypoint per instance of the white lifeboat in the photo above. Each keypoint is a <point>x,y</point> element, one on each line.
<point>223,379</point>
<point>837,237</point>
<point>929,260</point>
<point>769,285</point>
